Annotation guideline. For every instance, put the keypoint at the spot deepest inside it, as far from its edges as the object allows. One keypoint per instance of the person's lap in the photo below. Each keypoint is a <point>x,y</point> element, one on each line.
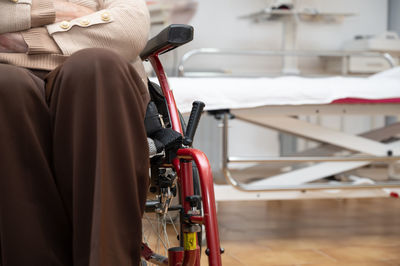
<point>72,183</point>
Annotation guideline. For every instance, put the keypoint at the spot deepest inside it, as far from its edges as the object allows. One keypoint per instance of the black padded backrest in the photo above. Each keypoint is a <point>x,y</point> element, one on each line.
<point>171,37</point>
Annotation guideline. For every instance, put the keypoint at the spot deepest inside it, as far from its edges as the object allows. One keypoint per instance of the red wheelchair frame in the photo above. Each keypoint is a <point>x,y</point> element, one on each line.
<point>183,167</point>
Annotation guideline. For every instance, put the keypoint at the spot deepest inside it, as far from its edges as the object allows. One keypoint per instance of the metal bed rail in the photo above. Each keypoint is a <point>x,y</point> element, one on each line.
<point>270,53</point>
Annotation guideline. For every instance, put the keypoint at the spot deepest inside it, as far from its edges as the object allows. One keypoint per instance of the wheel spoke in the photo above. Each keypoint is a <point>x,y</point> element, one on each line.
<point>156,231</point>
<point>173,224</point>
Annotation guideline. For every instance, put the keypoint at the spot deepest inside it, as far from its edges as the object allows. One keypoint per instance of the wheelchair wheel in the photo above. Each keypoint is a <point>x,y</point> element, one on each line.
<point>161,223</point>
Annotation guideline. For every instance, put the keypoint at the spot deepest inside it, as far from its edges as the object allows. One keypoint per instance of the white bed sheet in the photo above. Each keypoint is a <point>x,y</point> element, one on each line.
<point>236,93</point>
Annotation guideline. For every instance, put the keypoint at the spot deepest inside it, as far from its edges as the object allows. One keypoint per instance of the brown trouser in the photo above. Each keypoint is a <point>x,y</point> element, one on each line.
<point>73,163</point>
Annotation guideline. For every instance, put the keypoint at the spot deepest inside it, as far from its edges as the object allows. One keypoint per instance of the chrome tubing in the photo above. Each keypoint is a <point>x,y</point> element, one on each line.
<point>304,159</point>
<point>249,188</point>
<point>217,51</point>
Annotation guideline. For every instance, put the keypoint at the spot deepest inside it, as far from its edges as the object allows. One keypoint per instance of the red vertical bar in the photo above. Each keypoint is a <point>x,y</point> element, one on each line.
<point>186,183</point>
<point>197,263</point>
<point>190,257</point>
<point>169,97</point>
<point>186,179</point>
<point>210,213</point>
<point>175,256</point>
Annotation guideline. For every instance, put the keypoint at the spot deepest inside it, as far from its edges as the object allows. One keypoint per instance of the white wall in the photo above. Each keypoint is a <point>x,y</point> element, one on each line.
<point>217,25</point>
<point>370,18</point>
<point>394,16</point>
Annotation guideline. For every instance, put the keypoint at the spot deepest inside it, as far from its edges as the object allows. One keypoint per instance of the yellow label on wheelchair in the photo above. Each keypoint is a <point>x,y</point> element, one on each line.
<point>190,241</point>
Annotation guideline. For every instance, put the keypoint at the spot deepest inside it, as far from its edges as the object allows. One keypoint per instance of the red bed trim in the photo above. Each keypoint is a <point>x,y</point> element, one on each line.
<point>360,100</point>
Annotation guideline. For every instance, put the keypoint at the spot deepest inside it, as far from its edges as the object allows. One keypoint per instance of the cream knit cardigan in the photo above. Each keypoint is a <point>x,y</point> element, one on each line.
<point>120,25</point>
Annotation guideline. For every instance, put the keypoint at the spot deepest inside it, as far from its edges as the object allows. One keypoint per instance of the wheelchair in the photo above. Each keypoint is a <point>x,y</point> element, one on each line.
<point>181,193</point>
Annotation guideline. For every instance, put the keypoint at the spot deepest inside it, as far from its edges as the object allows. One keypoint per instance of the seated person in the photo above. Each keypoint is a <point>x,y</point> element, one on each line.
<point>74,155</point>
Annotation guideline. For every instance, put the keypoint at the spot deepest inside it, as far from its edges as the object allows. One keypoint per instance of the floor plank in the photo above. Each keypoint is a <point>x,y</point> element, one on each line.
<point>311,232</point>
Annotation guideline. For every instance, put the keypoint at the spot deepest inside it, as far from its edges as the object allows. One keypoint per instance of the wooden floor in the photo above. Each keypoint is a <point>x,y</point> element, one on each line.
<point>311,232</point>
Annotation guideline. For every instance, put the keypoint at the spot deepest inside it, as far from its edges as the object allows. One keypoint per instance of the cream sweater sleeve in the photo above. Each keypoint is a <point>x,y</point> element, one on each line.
<point>120,25</point>
<point>18,15</point>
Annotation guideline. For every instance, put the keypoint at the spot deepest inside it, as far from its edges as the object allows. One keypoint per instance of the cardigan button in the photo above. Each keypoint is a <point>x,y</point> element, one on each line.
<point>84,22</point>
<point>64,25</point>
<point>105,16</point>
<point>15,1</point>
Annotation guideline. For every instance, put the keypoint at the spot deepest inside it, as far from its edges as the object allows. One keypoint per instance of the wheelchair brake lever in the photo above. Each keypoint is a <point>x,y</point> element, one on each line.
<point>195,114</point>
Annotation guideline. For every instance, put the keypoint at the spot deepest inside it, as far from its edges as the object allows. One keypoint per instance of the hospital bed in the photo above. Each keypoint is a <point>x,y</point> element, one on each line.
<point>277,103</point>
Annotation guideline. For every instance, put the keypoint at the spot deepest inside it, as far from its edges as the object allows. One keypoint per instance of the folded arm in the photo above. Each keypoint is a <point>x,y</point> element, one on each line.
<point>42,12</point>
<point>18,15</point>
<point>121,25</point>
<point>12,43</point>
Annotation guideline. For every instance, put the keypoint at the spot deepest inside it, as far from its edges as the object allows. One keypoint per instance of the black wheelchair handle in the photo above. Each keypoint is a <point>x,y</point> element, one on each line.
<point>194,119</point>
<point>170,38</point>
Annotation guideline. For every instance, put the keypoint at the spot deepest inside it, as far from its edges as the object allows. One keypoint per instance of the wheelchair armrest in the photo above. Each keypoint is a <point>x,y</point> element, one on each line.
<point>170,38</point>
